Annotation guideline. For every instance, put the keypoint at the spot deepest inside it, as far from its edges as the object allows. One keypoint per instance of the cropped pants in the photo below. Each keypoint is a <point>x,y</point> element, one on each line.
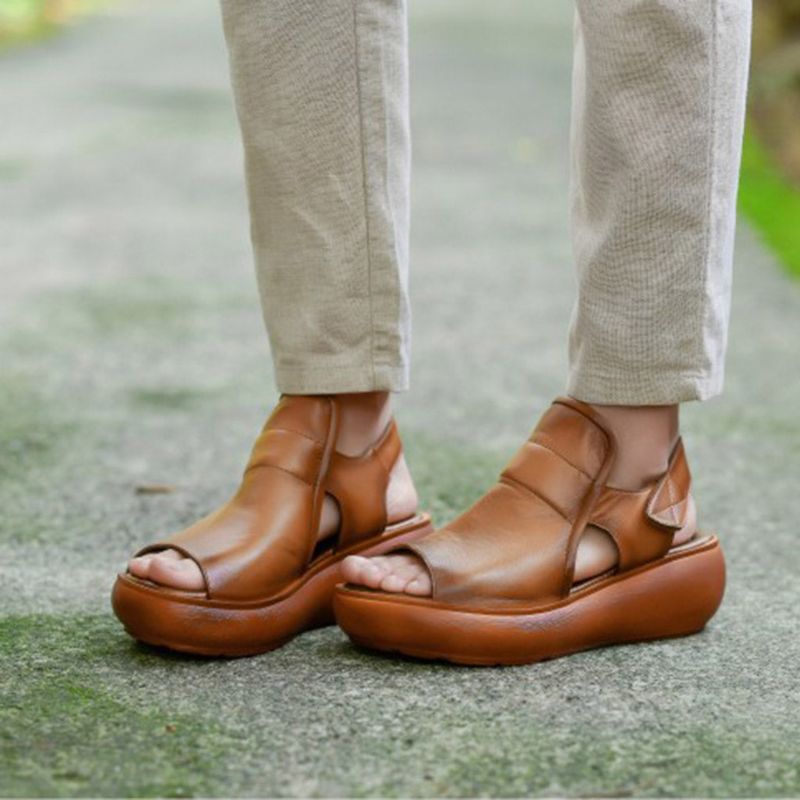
<point>659,86</point>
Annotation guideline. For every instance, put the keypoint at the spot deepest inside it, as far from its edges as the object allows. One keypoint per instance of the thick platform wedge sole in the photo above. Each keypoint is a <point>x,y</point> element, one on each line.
<point>188,622</point>
<point>674,596</point>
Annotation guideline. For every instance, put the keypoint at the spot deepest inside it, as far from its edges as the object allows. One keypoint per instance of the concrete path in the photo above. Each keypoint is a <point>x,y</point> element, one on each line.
<point>132,353</point>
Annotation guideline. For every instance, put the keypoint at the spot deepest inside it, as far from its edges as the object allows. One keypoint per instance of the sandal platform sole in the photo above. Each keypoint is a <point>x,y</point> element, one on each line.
<point>675,596</point>
<point>188,622</point>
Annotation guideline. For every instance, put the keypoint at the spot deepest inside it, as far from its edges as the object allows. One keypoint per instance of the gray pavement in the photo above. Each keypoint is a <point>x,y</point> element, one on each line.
<point>132,353</point>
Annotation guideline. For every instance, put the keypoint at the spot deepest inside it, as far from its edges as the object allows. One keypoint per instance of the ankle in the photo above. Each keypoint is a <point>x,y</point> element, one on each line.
<point>401,494</point>
<point>363,418</point>
<point>646,436</point>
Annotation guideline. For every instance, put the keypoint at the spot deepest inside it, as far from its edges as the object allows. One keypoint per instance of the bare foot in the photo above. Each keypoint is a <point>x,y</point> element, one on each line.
<point>645,437</point>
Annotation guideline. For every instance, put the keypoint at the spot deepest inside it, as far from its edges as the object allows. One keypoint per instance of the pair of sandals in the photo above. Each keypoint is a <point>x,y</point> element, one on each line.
<point>502,572</point>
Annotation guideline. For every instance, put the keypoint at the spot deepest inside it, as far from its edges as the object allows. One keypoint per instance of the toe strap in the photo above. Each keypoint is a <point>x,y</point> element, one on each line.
<point>260,540</point>
<point>475,559</point>
<point>254,544</point>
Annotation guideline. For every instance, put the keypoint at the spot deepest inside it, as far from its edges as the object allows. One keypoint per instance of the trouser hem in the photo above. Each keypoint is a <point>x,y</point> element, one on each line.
<point>642,390</point>
<point>333,379</point>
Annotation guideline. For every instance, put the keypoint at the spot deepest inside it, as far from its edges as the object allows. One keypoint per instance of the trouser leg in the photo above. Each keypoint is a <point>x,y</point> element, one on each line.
<point>321,90</point>
<point>658,110</point>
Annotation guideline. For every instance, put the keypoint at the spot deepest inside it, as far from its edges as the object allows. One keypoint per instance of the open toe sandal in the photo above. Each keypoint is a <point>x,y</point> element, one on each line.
<point>266,578</point>
<point>502,572</point>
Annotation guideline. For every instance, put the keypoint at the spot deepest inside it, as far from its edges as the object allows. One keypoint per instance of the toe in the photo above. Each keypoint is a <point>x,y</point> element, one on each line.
<point>352,568</point>
<point>408,574</point>
<point>140,566</point>
<point>363,571</point>
<point>419,586</point>
<point>172,555</point>
<point>393,573</point>
<point>394,582</point>
<point>181,573</point>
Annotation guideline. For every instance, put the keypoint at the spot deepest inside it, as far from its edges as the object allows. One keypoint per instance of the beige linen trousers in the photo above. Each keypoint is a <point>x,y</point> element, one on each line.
<point>321,90</point>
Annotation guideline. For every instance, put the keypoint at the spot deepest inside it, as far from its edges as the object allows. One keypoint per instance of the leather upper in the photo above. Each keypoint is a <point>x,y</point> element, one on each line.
<point>517,543</point>
<point>264,537</point>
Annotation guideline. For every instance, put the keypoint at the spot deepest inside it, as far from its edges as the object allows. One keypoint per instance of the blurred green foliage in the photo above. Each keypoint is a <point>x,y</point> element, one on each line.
<point>770,180</point>
<point>28,19</point>
<point>775,82</point>
<point>774,21</point>
<point>770,202</point>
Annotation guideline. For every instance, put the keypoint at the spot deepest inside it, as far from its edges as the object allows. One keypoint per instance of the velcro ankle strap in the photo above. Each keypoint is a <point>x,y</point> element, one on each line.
<point>669,501</point>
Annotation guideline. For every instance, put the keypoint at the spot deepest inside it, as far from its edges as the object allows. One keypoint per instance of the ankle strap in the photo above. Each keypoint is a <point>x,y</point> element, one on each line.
<point>359,483</point>
<point>643,524</point>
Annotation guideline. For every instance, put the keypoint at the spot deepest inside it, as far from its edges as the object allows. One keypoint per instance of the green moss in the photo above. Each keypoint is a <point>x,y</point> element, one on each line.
<point>146,303</point>
<point>449,477</point>
<point>183,99</point>
<point>697,760</point>
<point>770,202</point>
<point>177,399</point>
<point>176,110</point>
<point>64,733</point>
<point>722,426</point>
<point>31,434</point>
<point>106,311</point>
<point>13,168</point>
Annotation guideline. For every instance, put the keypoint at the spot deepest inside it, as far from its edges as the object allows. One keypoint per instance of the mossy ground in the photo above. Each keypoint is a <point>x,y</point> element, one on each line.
<point>69,732</point>
<point>85,712</point>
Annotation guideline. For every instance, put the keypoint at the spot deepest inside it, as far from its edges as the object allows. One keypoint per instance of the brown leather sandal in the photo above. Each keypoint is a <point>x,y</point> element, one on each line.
<point>502,572</point>
<point>266,578</point>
